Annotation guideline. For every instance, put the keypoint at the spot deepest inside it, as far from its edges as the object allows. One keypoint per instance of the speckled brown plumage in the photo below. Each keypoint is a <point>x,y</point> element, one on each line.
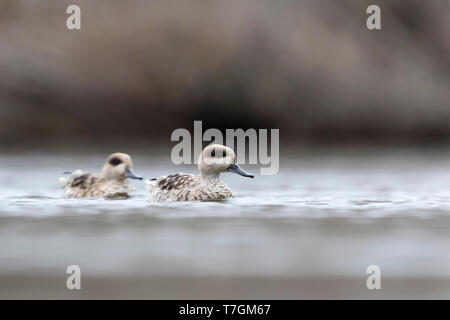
<point>111,182</point>
<point>82,185</point>
<point>186,187</point>
<point>206,186</point>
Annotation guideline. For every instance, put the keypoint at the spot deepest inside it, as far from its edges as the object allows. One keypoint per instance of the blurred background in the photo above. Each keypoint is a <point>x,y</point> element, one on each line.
<point>364,141</point>
<point>139,69</point>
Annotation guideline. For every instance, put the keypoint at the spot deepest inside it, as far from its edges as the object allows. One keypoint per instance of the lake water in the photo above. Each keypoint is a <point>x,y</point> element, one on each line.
<point>310,231</point>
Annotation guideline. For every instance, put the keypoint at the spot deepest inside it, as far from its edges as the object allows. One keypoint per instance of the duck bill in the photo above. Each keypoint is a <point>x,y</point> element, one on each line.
<point>132,175</point>
<point>234,168</point>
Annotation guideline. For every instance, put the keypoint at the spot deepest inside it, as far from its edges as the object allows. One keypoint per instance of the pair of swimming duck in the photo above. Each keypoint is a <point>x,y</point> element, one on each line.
<point>113,181</point>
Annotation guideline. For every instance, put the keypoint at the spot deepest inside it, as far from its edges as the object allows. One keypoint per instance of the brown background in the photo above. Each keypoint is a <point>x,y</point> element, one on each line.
<point>139,69</point>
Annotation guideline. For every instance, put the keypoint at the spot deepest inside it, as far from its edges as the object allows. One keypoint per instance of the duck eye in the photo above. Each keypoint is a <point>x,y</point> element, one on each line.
<point>115,161</point>
<point>213,153</point>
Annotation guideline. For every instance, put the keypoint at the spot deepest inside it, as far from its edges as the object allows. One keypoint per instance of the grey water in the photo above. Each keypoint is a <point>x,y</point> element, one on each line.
<point>309,231</point>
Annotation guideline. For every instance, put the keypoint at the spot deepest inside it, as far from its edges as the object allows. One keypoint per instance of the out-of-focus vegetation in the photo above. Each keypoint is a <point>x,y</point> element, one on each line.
<point>139,69</point>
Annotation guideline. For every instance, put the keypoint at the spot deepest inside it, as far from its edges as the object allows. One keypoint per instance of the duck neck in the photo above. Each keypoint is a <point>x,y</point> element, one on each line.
<point>211,177</point>
<point>108,177</point>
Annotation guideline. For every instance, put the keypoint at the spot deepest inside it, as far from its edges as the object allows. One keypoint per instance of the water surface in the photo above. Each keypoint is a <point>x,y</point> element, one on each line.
<point>308,232</point>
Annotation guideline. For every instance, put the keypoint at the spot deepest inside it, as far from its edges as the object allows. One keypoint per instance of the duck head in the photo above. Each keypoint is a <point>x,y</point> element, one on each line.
<point>216,159</point>
<point>119,166</point>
